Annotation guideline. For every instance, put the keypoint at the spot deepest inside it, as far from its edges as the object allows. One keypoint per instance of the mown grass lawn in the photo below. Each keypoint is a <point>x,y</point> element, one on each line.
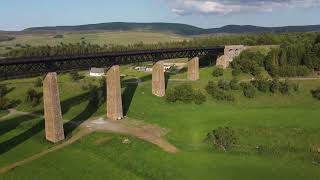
<point>275,133</point>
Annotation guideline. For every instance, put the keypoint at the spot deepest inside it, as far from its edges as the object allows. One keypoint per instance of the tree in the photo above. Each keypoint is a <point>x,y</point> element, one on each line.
<point>74,75</point>
<point>248,90</point>
<point>217,72</point>
<point>316,93</point>
<point>234,84</point>
<point>38,82</point>
<point>223,138</point>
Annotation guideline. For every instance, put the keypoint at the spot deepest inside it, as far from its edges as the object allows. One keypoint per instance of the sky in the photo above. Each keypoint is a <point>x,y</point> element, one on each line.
<point>21,14</point>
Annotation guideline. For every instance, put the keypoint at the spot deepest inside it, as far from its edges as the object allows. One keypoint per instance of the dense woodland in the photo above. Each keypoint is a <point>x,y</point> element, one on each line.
<point>290,60</point>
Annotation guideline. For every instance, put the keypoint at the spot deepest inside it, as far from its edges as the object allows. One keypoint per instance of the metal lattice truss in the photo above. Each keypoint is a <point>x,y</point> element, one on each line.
<point>17,67</point>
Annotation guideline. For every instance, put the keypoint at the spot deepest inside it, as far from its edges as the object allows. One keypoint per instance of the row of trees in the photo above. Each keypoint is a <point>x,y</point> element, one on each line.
<point>290,60</point>
<point>85,48</point>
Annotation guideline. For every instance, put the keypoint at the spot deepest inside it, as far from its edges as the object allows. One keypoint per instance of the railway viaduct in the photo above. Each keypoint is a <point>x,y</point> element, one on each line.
<point>17,67</point>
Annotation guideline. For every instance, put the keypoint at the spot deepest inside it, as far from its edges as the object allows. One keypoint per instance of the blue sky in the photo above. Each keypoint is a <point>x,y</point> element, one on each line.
<point>20,14</point>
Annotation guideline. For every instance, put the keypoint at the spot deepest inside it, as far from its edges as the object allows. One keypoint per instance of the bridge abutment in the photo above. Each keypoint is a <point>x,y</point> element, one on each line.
<point>230,52</point>
<point>52,109</point>
<point>114,100</point>
<point>193,69</point>
<point>158,80</point>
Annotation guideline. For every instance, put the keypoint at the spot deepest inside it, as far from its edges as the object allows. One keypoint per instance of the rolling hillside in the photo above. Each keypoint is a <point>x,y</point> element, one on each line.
<point>182,29</point>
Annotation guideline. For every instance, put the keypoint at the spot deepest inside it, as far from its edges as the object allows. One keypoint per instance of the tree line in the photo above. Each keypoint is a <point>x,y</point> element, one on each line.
<point>83,47</point>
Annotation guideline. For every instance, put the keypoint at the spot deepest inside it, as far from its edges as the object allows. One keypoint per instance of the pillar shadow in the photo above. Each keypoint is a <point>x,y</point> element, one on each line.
<point>91,108</point>
<point>130,89</point>
<point>15,141</point>
<point>127,97</point>
<point>167,78</point>
<point>10,124</point>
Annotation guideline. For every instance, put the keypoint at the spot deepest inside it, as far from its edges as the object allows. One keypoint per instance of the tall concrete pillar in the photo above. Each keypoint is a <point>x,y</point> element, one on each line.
<point>193,69</point>
<point>158,80</point>
<point>52,109</point>
<point>114,100</point>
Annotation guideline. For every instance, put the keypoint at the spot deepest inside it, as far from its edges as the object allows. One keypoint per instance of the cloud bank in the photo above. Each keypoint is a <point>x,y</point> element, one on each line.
<point>222,7</point>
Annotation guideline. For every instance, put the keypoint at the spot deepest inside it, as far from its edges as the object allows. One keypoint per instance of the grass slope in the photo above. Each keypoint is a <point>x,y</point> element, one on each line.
<point>285,127</point>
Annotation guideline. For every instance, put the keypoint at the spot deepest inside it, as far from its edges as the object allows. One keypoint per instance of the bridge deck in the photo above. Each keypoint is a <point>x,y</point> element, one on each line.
<point>13,67</point>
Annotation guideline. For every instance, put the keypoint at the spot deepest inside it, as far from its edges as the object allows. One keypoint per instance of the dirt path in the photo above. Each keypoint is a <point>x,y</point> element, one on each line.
<point>13,112</point>
<point>150,133</point>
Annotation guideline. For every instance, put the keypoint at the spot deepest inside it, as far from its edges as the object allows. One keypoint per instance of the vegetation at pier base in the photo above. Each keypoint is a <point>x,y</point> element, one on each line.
<point>222,138</point>
<point>217,72</point>
<point>186,94</point>
<point>316,93</point>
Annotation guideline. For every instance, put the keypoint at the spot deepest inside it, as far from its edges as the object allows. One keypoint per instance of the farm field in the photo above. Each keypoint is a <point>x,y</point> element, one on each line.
<point>276,133</point>
<point>100,38</point>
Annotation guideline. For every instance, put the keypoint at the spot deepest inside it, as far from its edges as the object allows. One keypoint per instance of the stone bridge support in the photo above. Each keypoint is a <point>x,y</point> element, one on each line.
<point>52,109</point>
<point>230,52</point>
<point>114,100</point>
<point>158,80</point>
<point>193,69</point>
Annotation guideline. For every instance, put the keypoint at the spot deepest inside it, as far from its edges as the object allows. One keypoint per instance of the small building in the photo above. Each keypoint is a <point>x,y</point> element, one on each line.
<point>97,72</point>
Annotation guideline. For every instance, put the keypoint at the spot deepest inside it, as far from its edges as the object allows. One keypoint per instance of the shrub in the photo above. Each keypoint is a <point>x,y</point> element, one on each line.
<point>58,36</point>
<point>249,90</point>
<point>316,93</point>
<point>274,85</point>
<point>223,84</point>
<point>218,93</point>
<point>38,82</point>
<point>262,84</point>
<point>234,84</point>
<point>74,75</point>
<point>217,72</point>
<point>185,93</point>
<point>285,87</point>
<point>33,97</point>
<point>222,138</point>
<point>199,97</point>
<point>171,96</point>
<point>236,72</point>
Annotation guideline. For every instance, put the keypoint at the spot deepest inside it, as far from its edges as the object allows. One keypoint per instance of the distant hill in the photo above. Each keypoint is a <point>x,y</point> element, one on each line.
<point>182,29</point>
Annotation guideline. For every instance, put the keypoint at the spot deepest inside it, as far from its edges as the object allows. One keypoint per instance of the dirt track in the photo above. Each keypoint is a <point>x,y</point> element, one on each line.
<point>150,133</point>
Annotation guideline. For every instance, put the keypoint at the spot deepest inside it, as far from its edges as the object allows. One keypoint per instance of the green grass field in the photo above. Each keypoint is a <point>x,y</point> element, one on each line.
<point>283,127</point>
<point>101,38</point>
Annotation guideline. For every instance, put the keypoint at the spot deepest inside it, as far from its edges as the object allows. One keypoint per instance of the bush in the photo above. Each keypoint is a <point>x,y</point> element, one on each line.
<point>222,138</point>
<point>249,90</point>
<point>58,36</point>
<point>262,84</point>
<point>199,97</point>
<point>217,72</point>
<point>74,75</point>
<point>274,86</point>
<point>316,93</point>
<point>33,97</point>
<point>185,93</point>
<point>219,93</point>
<point>38,82</point>
<point>234,84</point>
<point>236,72</point>
<point>223,84</point>
<point>171,96</point>
<point>285,87</point>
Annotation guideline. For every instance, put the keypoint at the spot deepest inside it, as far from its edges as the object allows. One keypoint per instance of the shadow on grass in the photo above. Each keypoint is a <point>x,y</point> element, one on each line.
<point>130,89</point>
<point>15,141</point>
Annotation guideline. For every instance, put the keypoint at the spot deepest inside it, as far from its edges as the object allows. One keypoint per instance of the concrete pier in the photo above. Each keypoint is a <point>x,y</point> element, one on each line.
<point>158,80</point>
<point>114,99</point>
<point>52,109</point>
<point>193,69</point>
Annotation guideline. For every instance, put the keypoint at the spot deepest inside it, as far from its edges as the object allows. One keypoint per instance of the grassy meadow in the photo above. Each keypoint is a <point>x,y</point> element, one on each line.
<point>100,38</point>
<point>276,133</point>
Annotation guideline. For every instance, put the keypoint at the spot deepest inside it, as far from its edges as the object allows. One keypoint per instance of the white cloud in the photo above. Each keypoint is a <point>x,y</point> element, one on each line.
<point>184,7</point>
